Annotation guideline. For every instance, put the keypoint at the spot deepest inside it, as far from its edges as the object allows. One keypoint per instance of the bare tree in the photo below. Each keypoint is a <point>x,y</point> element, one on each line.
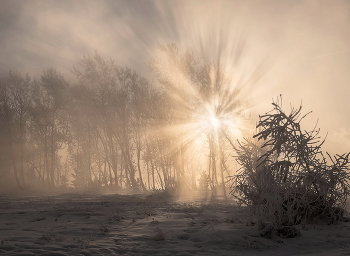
<point>49,120</point>
<point>15,110</point>
<point>198,95</point>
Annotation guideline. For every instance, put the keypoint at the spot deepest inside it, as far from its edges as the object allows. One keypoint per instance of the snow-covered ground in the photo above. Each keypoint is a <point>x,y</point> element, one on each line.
<point>154,224</point>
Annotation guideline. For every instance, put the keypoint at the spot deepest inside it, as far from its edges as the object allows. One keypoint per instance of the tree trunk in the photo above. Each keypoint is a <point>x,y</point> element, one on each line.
<point>139,167</point>
<point>52,182</point>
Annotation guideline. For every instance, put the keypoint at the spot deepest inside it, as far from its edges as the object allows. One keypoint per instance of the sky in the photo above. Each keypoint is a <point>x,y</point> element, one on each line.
<point>300,49</point>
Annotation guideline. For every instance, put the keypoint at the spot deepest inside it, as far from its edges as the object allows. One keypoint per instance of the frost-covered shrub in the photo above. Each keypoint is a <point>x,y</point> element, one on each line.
<point>284,175</point>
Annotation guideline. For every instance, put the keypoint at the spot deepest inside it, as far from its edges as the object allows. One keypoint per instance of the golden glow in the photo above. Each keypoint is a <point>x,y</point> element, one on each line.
<point>215,122</point>
<point>207,118</point>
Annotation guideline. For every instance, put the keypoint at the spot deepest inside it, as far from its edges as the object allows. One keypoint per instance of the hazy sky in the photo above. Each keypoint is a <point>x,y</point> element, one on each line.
<point>305,43</point>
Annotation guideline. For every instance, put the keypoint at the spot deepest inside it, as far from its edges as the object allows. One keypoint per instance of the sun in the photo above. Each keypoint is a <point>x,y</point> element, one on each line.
<point>215,122</point>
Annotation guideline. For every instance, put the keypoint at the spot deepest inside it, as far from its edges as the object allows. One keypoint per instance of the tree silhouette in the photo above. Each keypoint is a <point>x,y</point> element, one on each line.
<point>198,93</point>
<point>49,121</point>
<point>15,106</point>
<point>113,128</point>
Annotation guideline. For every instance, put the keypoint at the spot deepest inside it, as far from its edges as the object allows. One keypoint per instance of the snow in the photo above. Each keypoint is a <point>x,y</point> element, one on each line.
<point>153,224</point>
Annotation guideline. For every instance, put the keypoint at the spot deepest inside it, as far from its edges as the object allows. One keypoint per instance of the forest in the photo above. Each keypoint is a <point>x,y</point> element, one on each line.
<point>188,129</point>
<point>113,128</point>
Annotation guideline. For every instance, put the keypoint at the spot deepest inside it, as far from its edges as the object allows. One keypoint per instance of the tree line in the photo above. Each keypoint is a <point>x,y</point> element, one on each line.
<point>114,128</point>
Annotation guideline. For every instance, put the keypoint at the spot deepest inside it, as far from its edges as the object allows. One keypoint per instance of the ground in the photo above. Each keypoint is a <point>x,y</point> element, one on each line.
<point>153,224</point>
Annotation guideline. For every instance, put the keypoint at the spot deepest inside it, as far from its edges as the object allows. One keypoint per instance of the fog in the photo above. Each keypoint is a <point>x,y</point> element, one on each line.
<point>132,127</point>
<point>297,49</point>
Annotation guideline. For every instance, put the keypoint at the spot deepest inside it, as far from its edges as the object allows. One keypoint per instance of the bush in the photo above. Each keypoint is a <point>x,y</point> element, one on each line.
<point>284,175</point>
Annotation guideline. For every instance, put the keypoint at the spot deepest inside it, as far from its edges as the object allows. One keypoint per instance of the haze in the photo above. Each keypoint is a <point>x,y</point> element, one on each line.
<point>299,49</point>
<point>307,40</point>
<point>126,127</point>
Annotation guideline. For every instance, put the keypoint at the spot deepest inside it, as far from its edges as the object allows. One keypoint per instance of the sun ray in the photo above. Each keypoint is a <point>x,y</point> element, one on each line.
<point>215,122</point>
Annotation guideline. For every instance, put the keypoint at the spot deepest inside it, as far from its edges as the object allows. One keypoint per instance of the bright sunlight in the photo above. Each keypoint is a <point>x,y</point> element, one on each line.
<point>207,117</point>
<point>215,122</point>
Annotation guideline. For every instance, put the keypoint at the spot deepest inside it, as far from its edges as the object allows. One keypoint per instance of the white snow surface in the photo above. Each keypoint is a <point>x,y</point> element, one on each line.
<point>153,224</point>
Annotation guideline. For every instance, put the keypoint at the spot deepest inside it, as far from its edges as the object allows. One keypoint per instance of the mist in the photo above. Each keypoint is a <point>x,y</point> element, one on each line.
<point>297,49</point>
<point>162,126</point>
<point>306,42</point>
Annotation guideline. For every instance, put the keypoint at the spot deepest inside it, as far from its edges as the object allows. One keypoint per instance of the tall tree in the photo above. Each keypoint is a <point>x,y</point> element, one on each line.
<point>49,119</point>
<point>202,102</point>
<point>15,107</point>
